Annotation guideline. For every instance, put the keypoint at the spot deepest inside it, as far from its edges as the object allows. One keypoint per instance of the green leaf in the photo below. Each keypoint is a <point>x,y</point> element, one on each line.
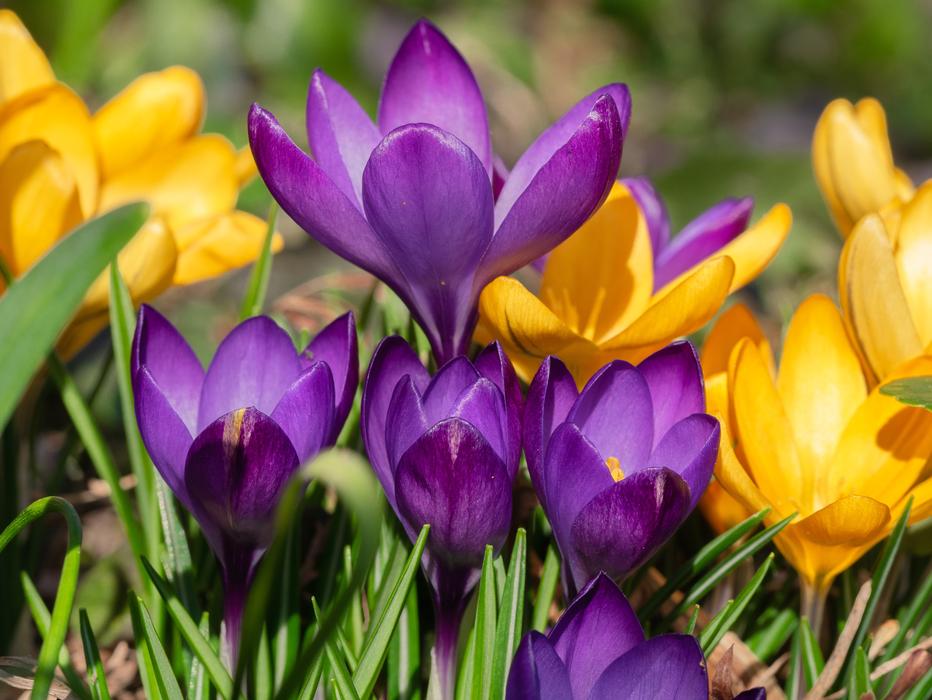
<point>913,391</point>
<point>36,307</point>
<point>404,653</point>
<point>198,688</point>
<point>766,642</point>
<point>379,635</point>
<point>693,619</point>
<point>263,668</point>
<point>287,622</point>
<point>510,616</point>
<point>177,558</point>
<point>355,608</point>
<point>159,677</point>
<point>261,270</point>
<point>95,667</point>
<point>793,675</point>
<point>724,621</point>
<point>810,653</point>
<point>546,589</point>
<point>484,639</point>
<point>860,681</point>
<point>67,584</point>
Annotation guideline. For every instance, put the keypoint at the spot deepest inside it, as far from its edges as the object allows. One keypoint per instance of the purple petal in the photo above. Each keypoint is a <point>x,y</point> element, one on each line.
<point>452,479</point>
<point>573,474</point>
<point>305,411</point>
<point>752,694</point>
<point>340,133</point>
<point>689,448</point>
<point>499,175</point>
<point>668,666</point>
<point>623,526</point>
<point>483,407</point>
<point>537,673</point>
<point>406,422</point>
<point>674,377</point>
<point>428,198</point>
<point>615,412</point>
<point>653,209</point>
<point>554,188</point>
<point>336,345</point>
<point>598,627</point>
<point>254,366</point>
<point>164,433</point>
<point>235,472</point>
<point>702,237</point>
<point>429,82</point>
<point>171,362</point>
<point>393,359</point>
<point>445,389</point>
<point>494,364</point>
<point>313,200</point>
<point>549,399</point>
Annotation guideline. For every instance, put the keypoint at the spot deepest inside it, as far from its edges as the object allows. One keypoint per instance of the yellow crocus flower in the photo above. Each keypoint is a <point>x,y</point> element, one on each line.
<point>813,439</point>
<point>598,300</point>
<point>61,165</point>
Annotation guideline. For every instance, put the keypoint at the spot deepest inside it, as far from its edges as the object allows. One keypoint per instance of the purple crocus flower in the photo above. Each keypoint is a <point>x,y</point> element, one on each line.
<point>410,197</point>
<point>446,450</point>
<point>227,440</point>
<point>619,466</point>
<point>700,238</point>
<point>597,651</point>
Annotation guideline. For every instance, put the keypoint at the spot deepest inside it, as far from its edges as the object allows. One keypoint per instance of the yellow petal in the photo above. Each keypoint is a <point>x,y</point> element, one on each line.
<point>147,264</point>
<point>601,277</point>
<point>155,111</point>
<point>820,382</point>
<point>23,66</point>
<point>914,259</point>
<point>720,509</point>
<point>678,311</point>
<point>873,301</point>
<point>922,503</point>
<point>735,323</point>
<point>38,204</point>
<point>58,117</point>
<point>224,243</point>
<point>192,181</point>
<point>753,250</point>
<point>734,478</point>
<point>246,168</point>
<point>527,329</point>
<point>764,431</point>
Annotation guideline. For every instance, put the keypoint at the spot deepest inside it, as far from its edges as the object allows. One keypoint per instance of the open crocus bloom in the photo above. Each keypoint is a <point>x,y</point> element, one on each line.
<point>410,197</point>
<point>815,441</point>
<point>228,440</point>
<point>619,466</point>
<point>597,651</point>
<point>620,289</point>
<point>446,450</point>
<point>60,165</point>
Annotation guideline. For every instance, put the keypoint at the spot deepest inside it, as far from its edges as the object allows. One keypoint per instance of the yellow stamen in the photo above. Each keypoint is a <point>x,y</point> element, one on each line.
<point>231,430</point>
<point>614,468</point>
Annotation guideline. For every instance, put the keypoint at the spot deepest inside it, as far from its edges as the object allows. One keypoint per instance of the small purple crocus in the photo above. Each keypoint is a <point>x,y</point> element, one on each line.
<point>619,466</point>
<point>597,651</point>
<point>700,238</point>
<point>417,199</point>
<point>226,441</point>
<point>446,450</point>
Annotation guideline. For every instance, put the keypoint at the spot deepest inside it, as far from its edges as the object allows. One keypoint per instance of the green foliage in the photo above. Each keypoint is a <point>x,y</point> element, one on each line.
<point>913,391</point>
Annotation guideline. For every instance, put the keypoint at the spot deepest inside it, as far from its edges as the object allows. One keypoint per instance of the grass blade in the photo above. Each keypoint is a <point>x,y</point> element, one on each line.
<point>404,653</point>
<point>724,621</point>
<point>765,643</point>
<point>546,589</point>
<point>160,677</point>
<point>485,629</point>
<point>198,688</point>
<point>510,617</point>
<point>261,270</point>
<point>95,668</point>
<point>810,653</point>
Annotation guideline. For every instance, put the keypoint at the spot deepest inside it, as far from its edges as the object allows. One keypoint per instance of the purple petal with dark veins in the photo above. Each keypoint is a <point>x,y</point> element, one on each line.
<point>674,377</point>
<point>446,387</point>
<point>537,673</point>
<point>337,346</point>
<point>483,406</point>
<point>668,666</point>
<point>305,411</point>
<point>406,421</point>
<point>549,399</point>
<point>689,448</point>
<point>494,364</point>
<point>653,209</point>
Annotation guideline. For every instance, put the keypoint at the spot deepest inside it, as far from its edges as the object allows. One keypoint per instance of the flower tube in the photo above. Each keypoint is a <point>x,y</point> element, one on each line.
<point>446,449</point>
<point>618,466</point>
<point>410,197</point>
<point>227,440</point>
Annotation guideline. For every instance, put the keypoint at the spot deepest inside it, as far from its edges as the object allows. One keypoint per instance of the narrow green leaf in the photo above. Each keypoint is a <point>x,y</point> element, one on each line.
<point>354,616</point>
<point>95,667</point>
<point>263,668</point>
<point>67,584</point>
<point>485,629</point>
<point>198,687</point>
<point>766,642</point>
<point>546,589</point>
<point>510,616</point>
<point>922,600</point>
<point>261,270</point>
<point>913,391</point>
<point>177,559</point>
<point>404,653</point>
<point>721,623</point>
<point>794,689</point>
<point>37,306</point>
<point>691,625</point>
<point>157,664</point>
<point>859,682</point>
<point>287,623</point>
<point>810,653</point>
<point>380,632</point>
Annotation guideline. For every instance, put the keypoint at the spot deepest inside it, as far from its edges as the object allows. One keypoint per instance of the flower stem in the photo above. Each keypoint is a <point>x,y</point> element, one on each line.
<point>812,605</point>
<point>448,619</point>
<point>234,603</point>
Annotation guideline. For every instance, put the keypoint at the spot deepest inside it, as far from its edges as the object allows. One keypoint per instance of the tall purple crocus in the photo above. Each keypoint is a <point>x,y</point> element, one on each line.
<point>619,466</point>
<point>410,197</point>
<point>446,450</point>
<point>597,651</point>
<point>227,440</point>
<point>700,238</point>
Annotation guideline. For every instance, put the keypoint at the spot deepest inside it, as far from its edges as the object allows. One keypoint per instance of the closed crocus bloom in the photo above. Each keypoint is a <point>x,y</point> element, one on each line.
<point>227,440</point>
<point>446,449</point>
<point>620,288</point>
<point>618,466</point>
<point>597,651</point>
<point>853,162</point>
<point>61,165</point>
<point>813,440</point>
<point>410,197</point>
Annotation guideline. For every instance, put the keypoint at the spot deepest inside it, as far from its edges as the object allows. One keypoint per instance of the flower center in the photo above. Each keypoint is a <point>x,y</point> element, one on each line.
<point>614,468</point>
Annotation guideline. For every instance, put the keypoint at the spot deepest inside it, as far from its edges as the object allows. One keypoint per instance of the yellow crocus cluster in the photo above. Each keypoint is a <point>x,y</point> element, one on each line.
<point>61,164</point>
